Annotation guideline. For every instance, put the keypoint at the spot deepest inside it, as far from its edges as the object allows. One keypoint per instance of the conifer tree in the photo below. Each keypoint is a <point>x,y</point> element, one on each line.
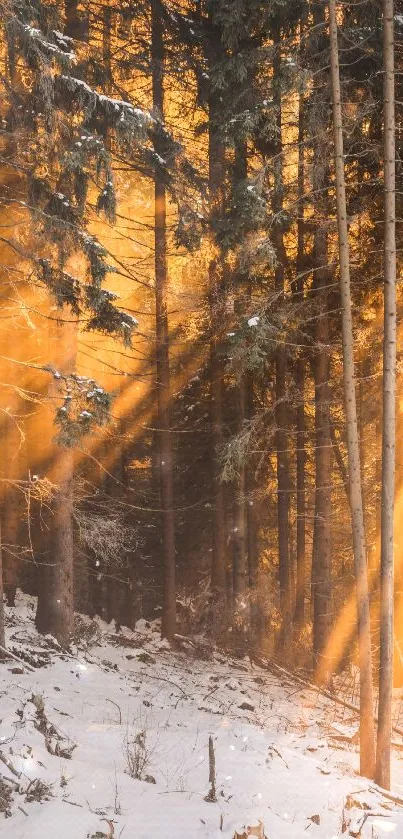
<point>322,542</point>
<point>383,750</point>
<point>2,633</point>
<point>367,742</point>
<point>162,336</point>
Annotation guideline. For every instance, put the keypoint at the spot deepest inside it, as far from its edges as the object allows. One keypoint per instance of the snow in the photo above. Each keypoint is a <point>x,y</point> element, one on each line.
<point>37,36</point>
<point>278,757</point>
<point>253,321</point>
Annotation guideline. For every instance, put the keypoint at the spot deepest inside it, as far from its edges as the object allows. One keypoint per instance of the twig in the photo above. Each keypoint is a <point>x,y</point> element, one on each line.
<point>116,706</point>
<point>9,765</point>
<point>73,803</point>
<point>273,749</point>
<point>210,693</point>
<point>161,679</point>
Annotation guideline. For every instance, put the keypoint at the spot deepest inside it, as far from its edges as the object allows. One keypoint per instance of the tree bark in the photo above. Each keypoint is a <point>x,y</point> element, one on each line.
<point>322,543</point>
<point>61,608</point>
<point>239,517</point>
<point>322,565</point>
<point>300,492</point>
<point>55,609</point>
<point>216,155</point>
<point>2,633</point>
<point>11,513</point>
<point>168,624</point>
<point>76,25</point>
<point>283,476</point>
<point>252,524</point>
<point>367,743</point>
<point>114,481</point>
<point>383,750</point>
<point>239,536</point>
<point>300,378</point>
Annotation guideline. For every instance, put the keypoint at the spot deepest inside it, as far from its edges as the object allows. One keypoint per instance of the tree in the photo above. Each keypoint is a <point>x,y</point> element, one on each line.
<point>2,634</point>
<point>383,749</point>
<point>58,202</point>
<point>12,506</point>
<point>240,517</point>
<point>55,608</point>
<point>367,742</point>
<point>216,160</point>
<point>283,474</point>
<point>300,422</point>
<point>168,625</point>
<point>322,542</point>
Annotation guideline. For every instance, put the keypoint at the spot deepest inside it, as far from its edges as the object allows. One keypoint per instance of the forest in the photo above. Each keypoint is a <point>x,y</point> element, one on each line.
<point>200,412</point>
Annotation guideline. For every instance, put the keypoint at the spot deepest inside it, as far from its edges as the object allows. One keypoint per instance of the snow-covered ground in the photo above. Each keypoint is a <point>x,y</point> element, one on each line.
<point>129,703</point>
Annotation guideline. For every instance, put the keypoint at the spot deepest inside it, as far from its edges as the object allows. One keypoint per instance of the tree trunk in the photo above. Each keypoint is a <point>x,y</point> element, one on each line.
<point>216,155</point>
<point>55,609</point>
<point>60,611</point>
<point>11,514</point>
<point>321,571</point>
<point>239,517</point>
<point>252,526</point>
<point>389,408</point>
<point>322,554</point>
<point>76,24</point>
<point>300,378</point>
<point>168,624</point>
<point>283,476</point>
<point>2,634</point>
<point>239,535</point>
<point>300,491</point>
<point>367,744</point>
<point>114,480</point>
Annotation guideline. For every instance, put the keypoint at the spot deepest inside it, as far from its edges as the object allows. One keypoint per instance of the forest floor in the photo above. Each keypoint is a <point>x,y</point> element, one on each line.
<point>76,728</point>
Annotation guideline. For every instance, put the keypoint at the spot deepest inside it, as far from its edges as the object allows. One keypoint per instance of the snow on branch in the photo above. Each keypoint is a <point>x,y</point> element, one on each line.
<point>129,122</point>
<point>36,44</point>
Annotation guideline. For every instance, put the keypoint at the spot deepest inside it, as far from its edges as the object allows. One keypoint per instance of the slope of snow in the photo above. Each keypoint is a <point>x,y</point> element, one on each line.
<point>282,752</point>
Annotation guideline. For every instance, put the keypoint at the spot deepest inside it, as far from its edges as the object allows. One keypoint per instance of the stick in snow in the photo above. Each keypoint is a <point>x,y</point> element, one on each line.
<point>9,765</point>
<point>211,795</point>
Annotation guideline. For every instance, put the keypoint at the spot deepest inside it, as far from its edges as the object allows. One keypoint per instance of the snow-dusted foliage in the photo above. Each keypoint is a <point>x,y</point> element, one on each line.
<point>60,108</point>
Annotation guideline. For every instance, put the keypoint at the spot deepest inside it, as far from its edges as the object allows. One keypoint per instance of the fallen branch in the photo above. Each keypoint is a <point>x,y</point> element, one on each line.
<point>20,660</point>
<point>9,765</point>
<point>73,803</point>
<point>388,795</point>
